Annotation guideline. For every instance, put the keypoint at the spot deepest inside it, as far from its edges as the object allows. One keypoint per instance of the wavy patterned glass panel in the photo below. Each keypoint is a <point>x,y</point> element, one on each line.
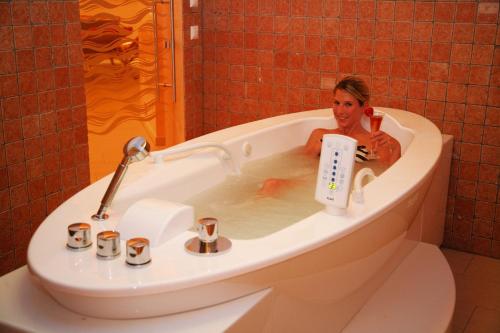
<point>119,47</point>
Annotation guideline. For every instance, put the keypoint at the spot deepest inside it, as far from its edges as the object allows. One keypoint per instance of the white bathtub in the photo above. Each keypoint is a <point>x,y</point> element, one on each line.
<point>322,269</point>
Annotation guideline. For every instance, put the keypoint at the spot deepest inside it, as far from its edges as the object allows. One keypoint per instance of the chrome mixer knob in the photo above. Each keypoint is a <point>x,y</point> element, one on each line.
<point>108,244</point>
<point>79,237</point>
<point>138,251</point>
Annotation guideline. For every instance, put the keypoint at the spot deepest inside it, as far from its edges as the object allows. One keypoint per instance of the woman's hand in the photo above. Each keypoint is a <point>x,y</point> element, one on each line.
<point>380,139</point>
<point>386,147</point>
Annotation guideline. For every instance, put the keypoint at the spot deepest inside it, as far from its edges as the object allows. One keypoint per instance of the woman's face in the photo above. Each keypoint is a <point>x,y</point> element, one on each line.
<point>346,109</point>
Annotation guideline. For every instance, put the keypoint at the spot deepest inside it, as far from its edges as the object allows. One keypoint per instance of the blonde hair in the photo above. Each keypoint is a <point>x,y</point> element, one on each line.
<point>354,86</point>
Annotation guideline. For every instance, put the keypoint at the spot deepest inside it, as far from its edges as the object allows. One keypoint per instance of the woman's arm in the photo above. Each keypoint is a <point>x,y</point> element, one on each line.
<point>313,145</point>
<point>274,187</point>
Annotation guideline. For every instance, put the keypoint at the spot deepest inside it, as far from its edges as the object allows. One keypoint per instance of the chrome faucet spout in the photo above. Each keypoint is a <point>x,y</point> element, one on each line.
<point>136,149</point>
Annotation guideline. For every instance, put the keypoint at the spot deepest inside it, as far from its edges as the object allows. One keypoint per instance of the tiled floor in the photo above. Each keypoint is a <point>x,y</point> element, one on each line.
<point>477,279</point>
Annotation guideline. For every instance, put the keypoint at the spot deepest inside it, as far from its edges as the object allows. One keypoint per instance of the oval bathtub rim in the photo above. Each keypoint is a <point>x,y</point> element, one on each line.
<point>180,284</point>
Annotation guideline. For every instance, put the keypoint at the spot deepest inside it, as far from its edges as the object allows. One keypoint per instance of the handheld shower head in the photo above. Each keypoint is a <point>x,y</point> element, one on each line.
<point>135,150</point>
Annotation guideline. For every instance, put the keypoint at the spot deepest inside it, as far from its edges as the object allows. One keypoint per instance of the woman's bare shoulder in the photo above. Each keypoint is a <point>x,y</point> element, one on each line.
<point>322,131</point>
<point>319,131</point>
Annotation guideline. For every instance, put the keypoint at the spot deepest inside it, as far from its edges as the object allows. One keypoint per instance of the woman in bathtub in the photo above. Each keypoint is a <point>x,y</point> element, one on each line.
<point>351,98</point>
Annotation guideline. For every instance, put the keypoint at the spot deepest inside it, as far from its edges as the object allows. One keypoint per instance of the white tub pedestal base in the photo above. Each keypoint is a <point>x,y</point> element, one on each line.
<point>419,296</point>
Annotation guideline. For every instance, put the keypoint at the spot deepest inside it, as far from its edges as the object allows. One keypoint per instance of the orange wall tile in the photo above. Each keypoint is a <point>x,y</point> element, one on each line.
<point>43,134</point>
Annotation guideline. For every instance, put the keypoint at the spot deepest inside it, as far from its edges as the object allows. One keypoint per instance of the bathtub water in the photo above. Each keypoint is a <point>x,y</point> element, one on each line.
<point>245,213</point>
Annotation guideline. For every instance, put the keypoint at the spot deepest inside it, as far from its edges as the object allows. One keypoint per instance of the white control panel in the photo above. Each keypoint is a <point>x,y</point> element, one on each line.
<point>336,164</point>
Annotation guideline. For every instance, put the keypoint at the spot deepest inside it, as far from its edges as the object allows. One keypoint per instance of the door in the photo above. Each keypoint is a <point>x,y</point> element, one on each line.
<point>129,70</point>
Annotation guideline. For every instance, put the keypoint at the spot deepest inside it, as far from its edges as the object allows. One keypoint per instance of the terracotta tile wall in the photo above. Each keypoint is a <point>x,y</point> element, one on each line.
<point>43,133</point>
<point>440,59</point>
<point>192,72</point>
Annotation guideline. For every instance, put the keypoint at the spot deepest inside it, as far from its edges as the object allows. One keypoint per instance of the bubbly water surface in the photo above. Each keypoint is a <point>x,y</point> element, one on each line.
<point>244,213</point>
